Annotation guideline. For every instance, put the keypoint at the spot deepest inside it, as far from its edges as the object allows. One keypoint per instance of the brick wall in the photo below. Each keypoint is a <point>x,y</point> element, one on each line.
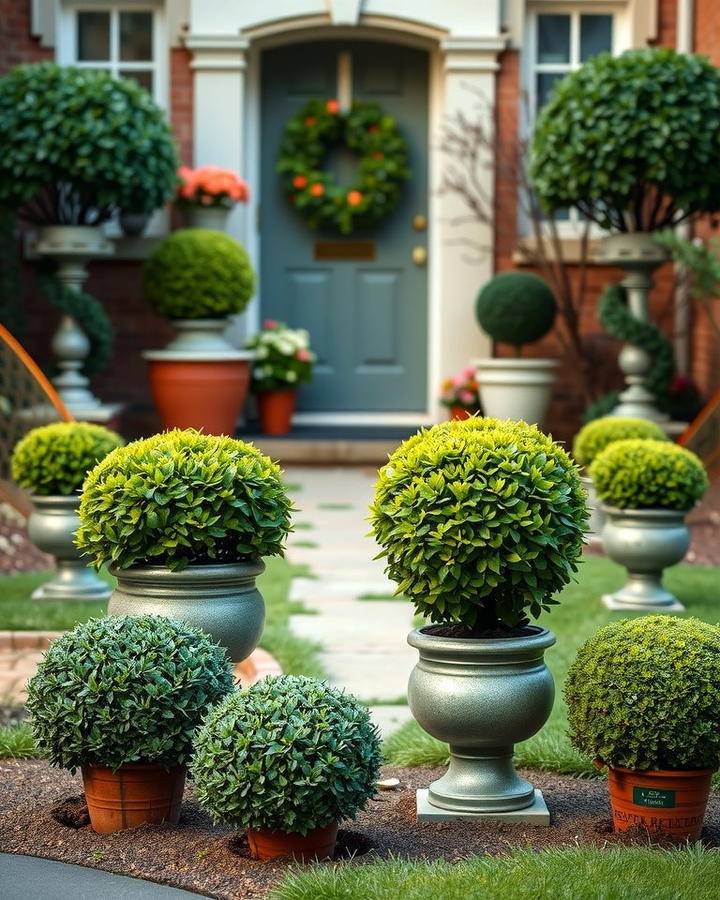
<point>17,45</point>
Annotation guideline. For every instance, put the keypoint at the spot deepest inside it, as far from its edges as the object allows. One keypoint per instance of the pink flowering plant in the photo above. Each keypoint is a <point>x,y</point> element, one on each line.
<point>208,187</point>
<point>283,358</point>
<point>462,390</point>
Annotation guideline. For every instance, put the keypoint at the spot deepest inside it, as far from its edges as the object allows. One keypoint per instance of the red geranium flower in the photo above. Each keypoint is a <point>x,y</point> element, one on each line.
<point>299,181</point>
<point>378,155</point>
<point>373,128</point>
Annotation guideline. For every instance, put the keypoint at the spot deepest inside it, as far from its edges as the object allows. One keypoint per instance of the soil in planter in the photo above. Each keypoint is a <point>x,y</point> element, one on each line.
<point>462,631</point>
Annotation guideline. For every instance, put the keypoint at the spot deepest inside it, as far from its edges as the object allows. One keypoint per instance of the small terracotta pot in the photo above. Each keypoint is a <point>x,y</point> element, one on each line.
<point>135,795</point>
<point>276,410</point>
<point>319,843</point>
<point>661,801</point>
<point>461,412</point>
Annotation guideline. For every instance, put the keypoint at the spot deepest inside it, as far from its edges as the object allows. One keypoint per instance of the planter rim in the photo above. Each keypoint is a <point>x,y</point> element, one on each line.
<point>206,573</point>
<point>652,515</point>
<point>135,767</point>
<point>541,639</point>
<point>59,501</point>
<point>198,355</point>
<point>666,773</point>
<point>515,363</point>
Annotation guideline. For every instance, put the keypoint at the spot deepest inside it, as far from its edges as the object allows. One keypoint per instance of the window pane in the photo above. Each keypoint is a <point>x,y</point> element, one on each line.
<point>93,36</point>
<point>553,44</point>
<point>136,36</point>
<point>545,81</point>
<point>595,35</point>
<point>143,78</point>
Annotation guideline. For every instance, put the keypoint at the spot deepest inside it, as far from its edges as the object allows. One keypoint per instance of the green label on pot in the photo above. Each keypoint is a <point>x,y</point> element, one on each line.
<point>643,796</point>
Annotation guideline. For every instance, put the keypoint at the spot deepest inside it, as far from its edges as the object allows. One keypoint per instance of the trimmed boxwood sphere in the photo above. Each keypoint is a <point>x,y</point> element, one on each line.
<point>198,273</point>
<point>594,437</point>
<point>515,308</point>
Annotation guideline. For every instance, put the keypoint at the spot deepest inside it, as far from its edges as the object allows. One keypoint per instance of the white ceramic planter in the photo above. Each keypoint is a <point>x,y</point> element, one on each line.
<point>214,218</point>
<point>518,389</point>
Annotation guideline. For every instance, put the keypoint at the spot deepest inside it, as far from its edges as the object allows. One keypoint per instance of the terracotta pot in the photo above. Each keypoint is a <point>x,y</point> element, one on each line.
<point>461,412</point>
<point>661,801</point>
<point>276,409</point>
<point>319,843</point>
<point>135,795</point>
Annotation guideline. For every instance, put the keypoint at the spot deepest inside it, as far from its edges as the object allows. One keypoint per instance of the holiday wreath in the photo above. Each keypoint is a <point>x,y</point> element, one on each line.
<point>318,127</point>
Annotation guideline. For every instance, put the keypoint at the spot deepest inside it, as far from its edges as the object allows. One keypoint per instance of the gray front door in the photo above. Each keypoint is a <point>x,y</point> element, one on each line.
<point>367,319</point>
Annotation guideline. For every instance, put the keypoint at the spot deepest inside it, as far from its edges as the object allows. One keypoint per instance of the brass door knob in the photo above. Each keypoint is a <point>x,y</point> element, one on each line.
<point>419,222</point>
<point>419,256</point>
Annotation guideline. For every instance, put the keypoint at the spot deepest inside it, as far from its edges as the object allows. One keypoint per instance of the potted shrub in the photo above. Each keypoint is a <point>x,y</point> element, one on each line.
<point>184,519</point>
<point>207,195</point>
<point>120,698</point>
<point>198,278</point>
<point>460,394</point>
<point>283,360</point>
<point>646,488</point>
<point>516,308</point>
<point>51,462</point>
<point>288,759</point>
<point>632,174</point>
<point>594,437</point>
<point>643,697</point>
<point>481,522</point>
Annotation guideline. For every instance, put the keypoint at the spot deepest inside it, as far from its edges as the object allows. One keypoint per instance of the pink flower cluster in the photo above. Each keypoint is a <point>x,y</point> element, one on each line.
<point>210,186</point>
<point>461,390</point>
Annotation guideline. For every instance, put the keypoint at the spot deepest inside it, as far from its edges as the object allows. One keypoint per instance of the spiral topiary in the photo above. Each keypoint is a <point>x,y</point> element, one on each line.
<point>480,520</point>
<point>648,474</point>
<point>54,459</point>
<point>183,497</point>
<point>515,308</point>
<point>645,694</point>
<point>594,437</point>
<point>198,273</point>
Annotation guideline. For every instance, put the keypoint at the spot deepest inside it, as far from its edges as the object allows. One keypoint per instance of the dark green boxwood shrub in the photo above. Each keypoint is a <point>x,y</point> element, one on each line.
<point>79,145</point>
<point>645,694</point>
<point>198,273</point>
<point>600,433</point>
<point>515,308</point>
<point>126,689</point>
<point>645,474</point>
<point>624,131</point>
<point>182,498</point>
<point>54,459</point>
<point>481,521</point>
<point>288,754</point>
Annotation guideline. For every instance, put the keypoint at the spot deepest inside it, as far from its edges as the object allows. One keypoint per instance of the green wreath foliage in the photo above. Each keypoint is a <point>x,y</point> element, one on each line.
<point>311,133</point>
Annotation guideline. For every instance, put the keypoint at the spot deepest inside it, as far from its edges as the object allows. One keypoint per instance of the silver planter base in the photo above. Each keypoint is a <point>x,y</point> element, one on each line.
<point>537,813</point>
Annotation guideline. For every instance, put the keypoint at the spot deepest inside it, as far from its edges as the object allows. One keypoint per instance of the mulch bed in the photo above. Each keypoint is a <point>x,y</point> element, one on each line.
<point>214,860</point>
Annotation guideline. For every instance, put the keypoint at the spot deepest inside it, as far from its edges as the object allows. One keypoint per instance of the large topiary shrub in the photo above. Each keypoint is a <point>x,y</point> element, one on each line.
<point>647,474</point>
<point>631,140</point>
<point>288,754</point>
<point>54,459</point>
<point>126,689</point>
<point>515,308</point>
<point>79,145</point>
<point>198,273</point>
<point>481,521</point>
<point>645,694</point>
<point>183,497</point>
<point>594,437</point>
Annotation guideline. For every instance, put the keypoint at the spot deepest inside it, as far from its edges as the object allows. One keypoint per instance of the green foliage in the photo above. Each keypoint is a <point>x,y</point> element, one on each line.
<point>11,306</point>
<point>645,693</point>
<point>597,435</point>
<point>183,497</point>
<point>288,754</point>
<point>54,459</point>
<point>701,263</point>
<point>515,308</point>
<point>283,358</point>
<point>79,145</point>
<point>623,133</point>
<point>126,689</point>
<point>17,741</point>
<point>198,273</point>
<point>648,474</point>
<point>481,521</point>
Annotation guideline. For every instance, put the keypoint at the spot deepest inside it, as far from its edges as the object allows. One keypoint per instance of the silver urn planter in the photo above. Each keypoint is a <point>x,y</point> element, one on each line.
<point>596,522</point>
<point>51,527</point>
<point>222,600</point>
<point>645,541</point>
<point>482,696</point>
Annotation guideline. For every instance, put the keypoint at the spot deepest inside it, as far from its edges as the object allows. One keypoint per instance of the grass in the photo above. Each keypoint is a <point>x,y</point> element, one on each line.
<point>380,701</point>
<point>309,545</point>
<point>371,597</point>
<point>16,742</point>
<point>579,614</point>
<point>575,873</point>
<point>303,526</point>
<point>337,506</point>
<point>19,613</point>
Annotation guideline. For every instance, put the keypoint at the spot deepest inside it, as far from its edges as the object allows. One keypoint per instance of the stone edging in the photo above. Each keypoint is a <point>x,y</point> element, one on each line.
<point>27,640</point>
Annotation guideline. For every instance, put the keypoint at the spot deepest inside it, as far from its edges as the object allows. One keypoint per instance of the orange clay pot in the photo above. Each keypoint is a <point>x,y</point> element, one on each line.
<point>319,843</point>
<point>207,394</point>
<point>461,412</point>
<point>660,801</point>
<point>276,410</point>
<point>134,795</point>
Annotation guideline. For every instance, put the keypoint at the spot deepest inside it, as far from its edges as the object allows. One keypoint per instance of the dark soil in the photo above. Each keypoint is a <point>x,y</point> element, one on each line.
<point>462,631</point>
<point>214,860</point>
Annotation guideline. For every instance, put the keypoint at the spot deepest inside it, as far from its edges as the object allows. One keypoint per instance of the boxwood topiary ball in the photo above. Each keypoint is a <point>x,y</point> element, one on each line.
<point>594,437</point>
<point>515,308</point>
<point>198,273</point>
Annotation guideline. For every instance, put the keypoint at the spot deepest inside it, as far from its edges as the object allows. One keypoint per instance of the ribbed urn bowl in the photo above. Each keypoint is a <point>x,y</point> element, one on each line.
<point>481,696</point>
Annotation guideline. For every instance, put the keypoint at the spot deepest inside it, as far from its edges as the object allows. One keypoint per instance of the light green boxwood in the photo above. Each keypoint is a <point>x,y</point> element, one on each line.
<point>481,521</point>
<point>598,434</point>
<point>288,754</point>
<point>644,693</point>
<point>182,498</point>
<point>198,273</point>
<point>515,308</point>
<point>126,689</point>
<point>646,474</point>
<point>54,459</point>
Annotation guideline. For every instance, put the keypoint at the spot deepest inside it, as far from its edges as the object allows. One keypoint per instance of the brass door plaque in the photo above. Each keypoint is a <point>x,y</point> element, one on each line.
<point>338,251</point>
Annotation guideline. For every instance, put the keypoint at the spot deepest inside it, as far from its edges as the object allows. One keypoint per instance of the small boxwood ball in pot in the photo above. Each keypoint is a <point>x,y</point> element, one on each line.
<point>515,308</point>
<point>289,754</point>
<point>594,437</point>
